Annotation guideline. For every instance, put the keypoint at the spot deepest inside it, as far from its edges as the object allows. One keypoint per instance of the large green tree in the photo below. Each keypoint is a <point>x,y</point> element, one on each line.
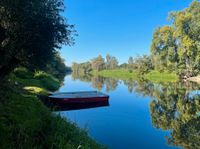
<point>31,33</point>
<point>187,28</point>
<point>178,46</point>
<point>164,48</point>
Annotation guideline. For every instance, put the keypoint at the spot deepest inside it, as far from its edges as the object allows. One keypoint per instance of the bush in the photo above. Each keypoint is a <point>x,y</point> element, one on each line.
<point>40,75</point>
<point>23,73</point>
<point>130,71</point>
<point>48,81</point>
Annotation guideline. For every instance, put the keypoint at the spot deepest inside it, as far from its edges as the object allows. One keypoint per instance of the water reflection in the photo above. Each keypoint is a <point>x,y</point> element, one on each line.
<point>69,107</point>
<point>173,109</point>
<point>174,106</point>
<point>98,82</point>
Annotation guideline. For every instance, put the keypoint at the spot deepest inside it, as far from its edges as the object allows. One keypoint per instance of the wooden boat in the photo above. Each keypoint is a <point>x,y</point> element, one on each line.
<point>78,97</point>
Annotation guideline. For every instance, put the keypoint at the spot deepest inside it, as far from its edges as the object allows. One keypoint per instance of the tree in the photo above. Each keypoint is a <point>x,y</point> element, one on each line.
<point>87,67</point>
<point>124,66</point>
<point>31,33</point>
<point>82,68</point>
<point>111,62</point>
<point>177,46</point>
<point>187,24</point>
<point>164,48</point>
<point>143,64</point>
<point>98,63</point>
<point>108,60</point>
<point>130,62</point>
<point>75,67</point>
<point>57,67</point>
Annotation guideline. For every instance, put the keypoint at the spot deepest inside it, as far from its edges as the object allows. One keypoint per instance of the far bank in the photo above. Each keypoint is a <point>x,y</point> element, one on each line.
<point>124,74</point>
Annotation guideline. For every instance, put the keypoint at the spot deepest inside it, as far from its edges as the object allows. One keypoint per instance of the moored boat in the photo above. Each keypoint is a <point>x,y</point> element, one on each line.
<point>78,97</point>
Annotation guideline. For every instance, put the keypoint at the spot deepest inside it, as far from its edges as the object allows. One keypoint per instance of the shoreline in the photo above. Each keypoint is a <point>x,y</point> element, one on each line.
<point>153,76</point>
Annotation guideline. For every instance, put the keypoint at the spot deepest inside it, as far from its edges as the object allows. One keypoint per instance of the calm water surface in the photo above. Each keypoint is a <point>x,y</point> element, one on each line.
<point>140,114</point>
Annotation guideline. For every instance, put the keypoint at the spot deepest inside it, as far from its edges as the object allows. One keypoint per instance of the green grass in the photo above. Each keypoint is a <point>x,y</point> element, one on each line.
<point>26,123</point>
<point>156,76</point>
<point>36,90</point>
<point>117,74</point>
<point>153,76</point>
<point>38,79</point>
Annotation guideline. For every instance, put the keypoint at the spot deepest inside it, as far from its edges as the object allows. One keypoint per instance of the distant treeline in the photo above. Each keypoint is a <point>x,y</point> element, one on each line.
<point>175,48</point>
<point>98,64</point>
<point>142,64</point>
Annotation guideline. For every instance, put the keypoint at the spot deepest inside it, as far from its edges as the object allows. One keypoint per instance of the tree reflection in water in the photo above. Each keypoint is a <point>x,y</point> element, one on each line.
<point>174,109</point>
<point>174,106</point>
<point>98,82</point>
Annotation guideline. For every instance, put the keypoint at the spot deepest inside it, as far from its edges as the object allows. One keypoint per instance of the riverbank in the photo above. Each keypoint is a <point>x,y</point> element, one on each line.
<point>26,122</point>
<point>124,74</point>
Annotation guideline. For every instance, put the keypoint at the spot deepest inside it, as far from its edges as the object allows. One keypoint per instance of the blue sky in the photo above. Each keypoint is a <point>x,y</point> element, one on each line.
<point>122,28</point>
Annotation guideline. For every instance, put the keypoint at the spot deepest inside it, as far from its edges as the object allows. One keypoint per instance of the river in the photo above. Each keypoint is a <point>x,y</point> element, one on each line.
<point>140,114</point>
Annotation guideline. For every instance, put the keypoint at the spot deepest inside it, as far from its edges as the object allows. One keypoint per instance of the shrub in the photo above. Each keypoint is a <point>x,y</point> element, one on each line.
<point>48,81</point>
<point>40,75</point>
<point>23,73</point>
<point>130,71</point>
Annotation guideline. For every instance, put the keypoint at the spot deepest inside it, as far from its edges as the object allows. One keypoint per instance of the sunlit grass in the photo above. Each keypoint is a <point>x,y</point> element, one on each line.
<point>37,79</point>
<point>117,74</point>
<point>123,74</point>
<point>36,90</point>
<point>156,76</point>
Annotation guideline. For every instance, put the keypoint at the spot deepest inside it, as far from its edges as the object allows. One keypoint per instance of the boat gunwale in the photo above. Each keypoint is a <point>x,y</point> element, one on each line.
<point>97,95</point>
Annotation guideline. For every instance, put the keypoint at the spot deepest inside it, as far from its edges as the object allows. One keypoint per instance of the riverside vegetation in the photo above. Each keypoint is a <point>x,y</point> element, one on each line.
<point>26,122</point>
<point>31,34</point>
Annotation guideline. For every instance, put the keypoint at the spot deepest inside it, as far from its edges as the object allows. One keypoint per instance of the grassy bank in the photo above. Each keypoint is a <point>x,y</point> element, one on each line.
<point>123,74</point>
<point>26,123</point>
<point>117,74</point>
<point>155,76</point>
